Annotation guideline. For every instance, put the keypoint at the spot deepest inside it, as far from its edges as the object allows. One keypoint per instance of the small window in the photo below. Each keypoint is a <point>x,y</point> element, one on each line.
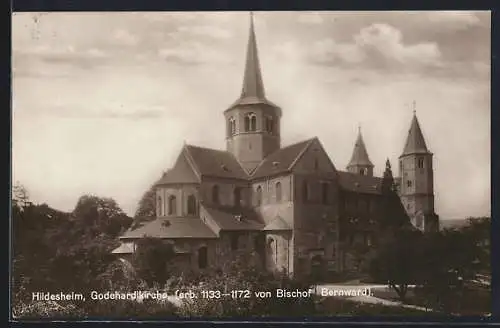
<point>160,206</point>
<point>269,124</point>
<point>231,126</point>
<point>409,183</point>
<point>237,196</point>
<point>420,163</point>
<point>191,205</point>
<point>250,122</point>
<point>247,123</point>
<point>172,208</point>
<point>234,242</point>
<point>316,164</point>
<point>202,257</point>
<point>362,171</point>
<point>305,191</point>
<point>324,193</point>
<point>258,196</point>
<point>408,206</point>
<point>278,192</point>
<point>215,194</point>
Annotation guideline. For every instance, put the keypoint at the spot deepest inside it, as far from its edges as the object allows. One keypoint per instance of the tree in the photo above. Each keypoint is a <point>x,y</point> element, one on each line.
<point>397,262</point>
<point>147,205</point>
<point>151,260</point>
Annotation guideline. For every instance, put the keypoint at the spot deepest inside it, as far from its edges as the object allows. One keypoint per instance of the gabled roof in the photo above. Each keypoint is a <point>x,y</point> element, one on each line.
<point>360,155</point>
<point>360,183</point>
<point>182,172</point>
<point>232,219</point>
<point>277,224</point>
<point>215,163</point>
<point>415,143</point>
<point>282,160</point>
<point>175,227</point>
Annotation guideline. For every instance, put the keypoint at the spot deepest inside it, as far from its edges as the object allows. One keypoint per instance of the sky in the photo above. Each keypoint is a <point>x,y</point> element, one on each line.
<point>102,103</point>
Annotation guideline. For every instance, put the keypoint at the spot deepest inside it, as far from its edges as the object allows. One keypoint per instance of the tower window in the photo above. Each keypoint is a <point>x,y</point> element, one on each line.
<point>215,194</point>
<point>324,193</point>
<point>409,183</point>
<point>258,196</point>
<point>250,122</point>
<point>420,163</point>
<point>237,196</point>
<point>305,191</point>
<point>172,205</point>
<point>362,171</point>
<point>231,126</point>
<point>278,192</point>
<point>269,124</point>
<point>191,205</point>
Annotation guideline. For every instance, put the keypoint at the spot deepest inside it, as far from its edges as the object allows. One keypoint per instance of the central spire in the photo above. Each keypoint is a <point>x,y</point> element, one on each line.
<point>253,87</point>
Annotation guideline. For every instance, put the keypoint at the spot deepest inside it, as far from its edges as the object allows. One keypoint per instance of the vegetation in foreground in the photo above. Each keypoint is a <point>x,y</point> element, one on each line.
<point>56,251</point>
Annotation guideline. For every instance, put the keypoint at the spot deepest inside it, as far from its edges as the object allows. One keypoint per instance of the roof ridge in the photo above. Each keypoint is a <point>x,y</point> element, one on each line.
<point>191,161</point>
<point>302,152</point>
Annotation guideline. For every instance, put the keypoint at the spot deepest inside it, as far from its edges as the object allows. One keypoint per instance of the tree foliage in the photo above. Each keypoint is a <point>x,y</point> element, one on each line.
<point>151,260</point>
<point>146,208</point>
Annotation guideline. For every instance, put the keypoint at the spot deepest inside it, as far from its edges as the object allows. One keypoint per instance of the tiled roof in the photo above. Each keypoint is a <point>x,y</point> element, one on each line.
<point>281,160</point>
<point>177,227</point>
<point>277,224</point>
<point>216,163</point>
<point>182,172</point>
<point>360,183</point>
<point>415,142</point>
<point>232,219</point>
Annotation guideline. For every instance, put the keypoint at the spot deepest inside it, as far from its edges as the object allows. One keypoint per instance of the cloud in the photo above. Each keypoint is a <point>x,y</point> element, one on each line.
<point>374,47</point>
<point>124,37</point>
<point>205,31</point>
<point>310,18</point>
<point>456,19</point>
<point>193,53</point>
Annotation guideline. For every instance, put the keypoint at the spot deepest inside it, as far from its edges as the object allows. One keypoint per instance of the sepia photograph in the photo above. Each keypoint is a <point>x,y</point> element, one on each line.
<point>238,164</point>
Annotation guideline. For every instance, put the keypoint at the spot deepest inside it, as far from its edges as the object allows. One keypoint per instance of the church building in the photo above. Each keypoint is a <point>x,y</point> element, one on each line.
<point>289,204</point>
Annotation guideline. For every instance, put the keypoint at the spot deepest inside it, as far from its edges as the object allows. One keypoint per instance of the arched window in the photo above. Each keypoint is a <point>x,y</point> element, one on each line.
<point>231,126</point>
<point>202,257</point>
<point>258,196</point>
<point>160,206</point>
<point>247,123</point>
<point>362,171</point>
<point>420,163</point>
<point>305,191</point>
<point>172,210</point>
<point>271,251</point>
<point>269,124</point>
<point>409,183</point>
<point>324,193</point>
<point>278,191</point>
<point>237,196</point>
<point>191,205</point>
<point>253,122</point>
<point>215,194</point>
<point>250,122</point>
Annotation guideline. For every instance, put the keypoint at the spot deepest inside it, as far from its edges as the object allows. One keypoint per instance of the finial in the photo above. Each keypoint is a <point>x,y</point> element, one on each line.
<point>387,164</point>
<point>359,128</point>
<point>414,107</point>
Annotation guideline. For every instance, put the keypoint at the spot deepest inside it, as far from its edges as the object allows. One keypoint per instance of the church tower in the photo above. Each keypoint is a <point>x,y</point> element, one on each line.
<point>253,122</point>
<point>417,180</point>
<point>360,162</point>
